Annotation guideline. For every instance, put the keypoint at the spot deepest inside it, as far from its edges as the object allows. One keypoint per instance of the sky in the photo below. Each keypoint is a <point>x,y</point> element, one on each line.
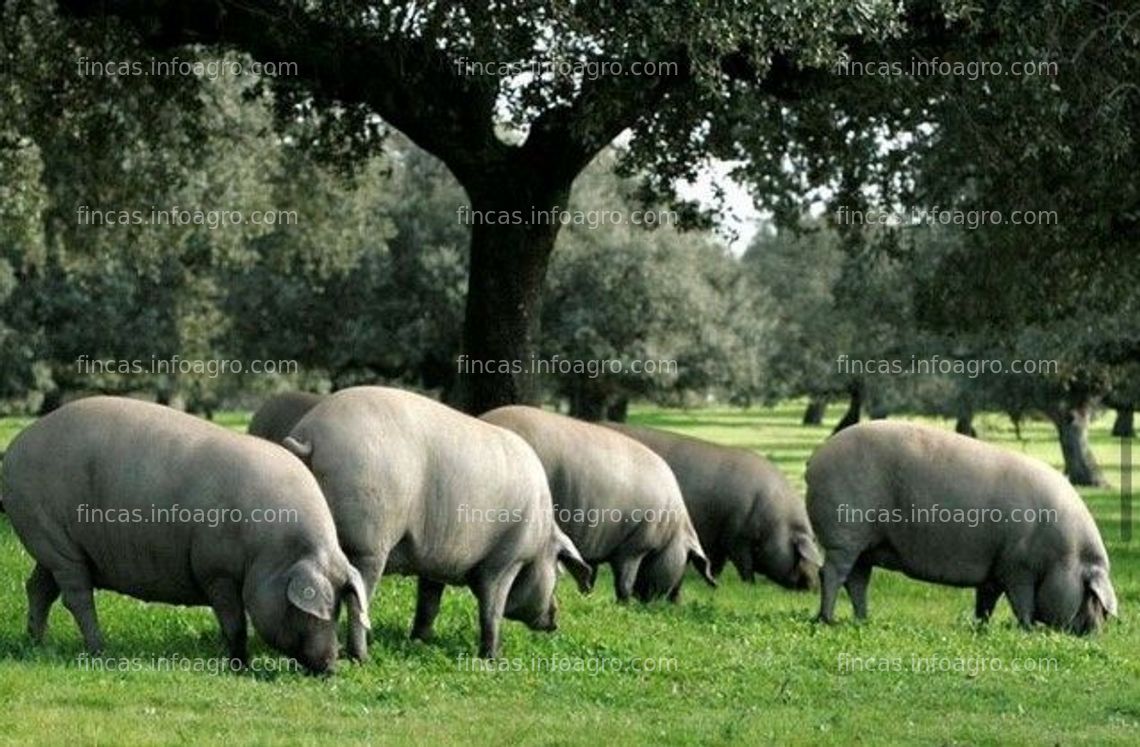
<point>740,218</point>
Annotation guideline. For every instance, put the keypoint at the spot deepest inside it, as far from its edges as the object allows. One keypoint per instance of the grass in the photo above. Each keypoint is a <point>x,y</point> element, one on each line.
<point>736,665</point>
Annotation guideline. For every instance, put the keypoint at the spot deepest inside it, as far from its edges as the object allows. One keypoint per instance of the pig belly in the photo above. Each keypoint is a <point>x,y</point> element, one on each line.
<point>935,555</point>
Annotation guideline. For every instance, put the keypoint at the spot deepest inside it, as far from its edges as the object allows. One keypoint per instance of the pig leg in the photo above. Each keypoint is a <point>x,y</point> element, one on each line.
<point>42,593</point>
<point>833,575</point>
<point>492,591</point>
<point>625,574</point>
<point>225,599</point>
<point>371,567</point>
<point>428,594</point>
<point>717,561</point>
<point>78,597</point>
<point>1021,599</point>
<point>742,560</point>
<point>985,599</point>
<point>856,585</point>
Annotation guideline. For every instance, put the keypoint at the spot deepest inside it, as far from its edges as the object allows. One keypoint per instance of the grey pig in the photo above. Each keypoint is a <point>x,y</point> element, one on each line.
<point>275,419</point>
<point>618,501</point>
<point>884,494</point>
<point>418,488</point>
<point>84,486</point>
<point>742,507</point>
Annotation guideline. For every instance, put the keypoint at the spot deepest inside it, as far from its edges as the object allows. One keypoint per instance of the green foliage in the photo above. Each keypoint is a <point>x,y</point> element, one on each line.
<point>622,293</point>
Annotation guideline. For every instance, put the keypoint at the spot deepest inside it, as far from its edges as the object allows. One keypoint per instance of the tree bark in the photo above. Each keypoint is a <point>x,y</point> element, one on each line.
<point>1016,418</point>
<point>52,400</point>
<point>965,422</point>
<point>816,409</point>
<point>618,410</point>
<point>1072,423</point>
<point>504,292</point>
<point>586,405</point>
<point>854,407</point>
<point>1125,424</point>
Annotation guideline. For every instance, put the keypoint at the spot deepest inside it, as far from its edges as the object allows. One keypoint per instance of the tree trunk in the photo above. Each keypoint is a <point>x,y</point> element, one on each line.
<point>1125,424</point>
<point>854,408</point>
<point>504,289</point>
<point>587,404</point>
<point>52,400</point>
<point>965,425</point>
<point>816,409</point>
<point>618,410</point>
<point>1072,425</point>
<point>965,422</point>
<point>1016,418</point>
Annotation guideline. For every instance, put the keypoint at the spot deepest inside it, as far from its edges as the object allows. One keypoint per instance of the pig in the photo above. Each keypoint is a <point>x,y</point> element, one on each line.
<point>618,501</point>
<point>924,501</point>
<point>112,493</point>
<point>417,488</point>
<point>742,507</point>
<point>277,415</point>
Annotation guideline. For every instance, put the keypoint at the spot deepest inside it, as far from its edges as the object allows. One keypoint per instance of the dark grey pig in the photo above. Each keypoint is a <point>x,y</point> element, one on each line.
<point>742,507</point>
<point>276,417</point>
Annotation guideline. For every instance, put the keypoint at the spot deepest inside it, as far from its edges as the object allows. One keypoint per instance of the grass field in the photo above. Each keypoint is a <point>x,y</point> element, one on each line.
<point>738,665</point>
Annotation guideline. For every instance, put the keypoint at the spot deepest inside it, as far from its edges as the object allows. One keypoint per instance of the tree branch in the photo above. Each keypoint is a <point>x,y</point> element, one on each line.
<point>564,139</point>
<point>407,82</point>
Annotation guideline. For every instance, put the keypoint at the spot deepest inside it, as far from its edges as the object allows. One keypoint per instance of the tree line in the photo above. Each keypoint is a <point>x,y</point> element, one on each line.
<point>377,138</point>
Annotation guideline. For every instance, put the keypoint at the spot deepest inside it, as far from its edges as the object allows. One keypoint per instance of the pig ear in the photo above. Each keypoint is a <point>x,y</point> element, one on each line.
<point>807,551</point>
<point>310,592</point>
<point>1101,588</point>
<point>357,600</point>
<point>701,563</point>
<point>572,561</point>
<point>300,450</point>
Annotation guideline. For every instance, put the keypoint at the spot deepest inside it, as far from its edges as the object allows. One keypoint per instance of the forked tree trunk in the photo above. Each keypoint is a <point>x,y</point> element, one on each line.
<point>1072,425</point>
<point>816,409</point>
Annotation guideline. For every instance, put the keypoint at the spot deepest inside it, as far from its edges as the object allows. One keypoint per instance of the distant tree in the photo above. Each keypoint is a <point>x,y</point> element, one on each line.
<point>677,302</point>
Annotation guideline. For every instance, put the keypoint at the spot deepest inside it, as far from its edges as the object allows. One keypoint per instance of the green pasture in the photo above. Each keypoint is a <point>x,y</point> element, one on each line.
<point>737,665</point>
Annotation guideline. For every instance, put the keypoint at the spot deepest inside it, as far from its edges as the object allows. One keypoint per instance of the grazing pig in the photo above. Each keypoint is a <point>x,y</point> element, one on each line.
<point>109,493</point>
<point>953,510</point>
<point>742,507</point>
<point>618,501</point>
<point>418,488</point>
<point>277,415</point>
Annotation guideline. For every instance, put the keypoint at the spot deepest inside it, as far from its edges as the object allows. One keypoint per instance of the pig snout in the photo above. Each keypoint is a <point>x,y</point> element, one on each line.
<point>548,620</point>
<point>320,658</point>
